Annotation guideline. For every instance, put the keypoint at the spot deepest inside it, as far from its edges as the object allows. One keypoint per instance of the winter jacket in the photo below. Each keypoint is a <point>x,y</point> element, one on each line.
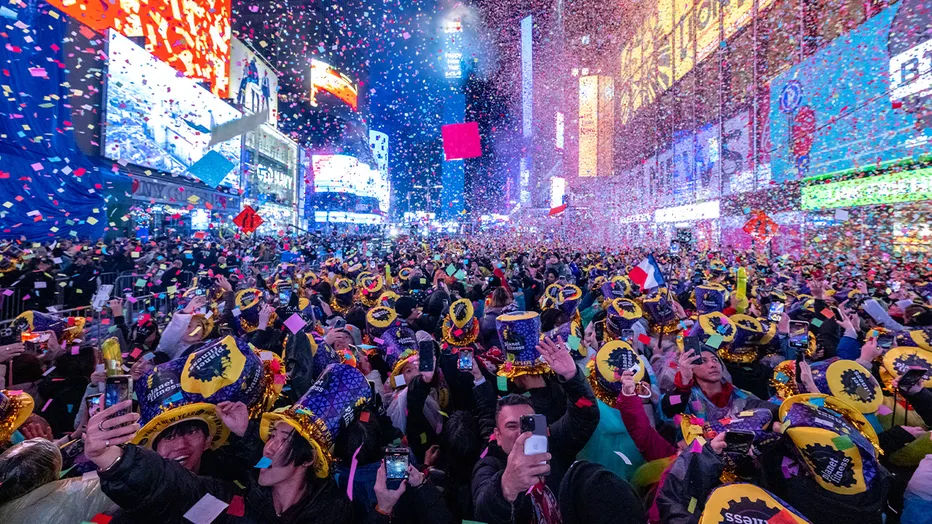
<point>922,403</point>
<point>693,401</point>
<point>488,332</point>
<point>648,441</point>
<point>611,437</point>
<point>692,476</point>
<point>568,436</point>
<point>421,505</point>
<point>149,488</point>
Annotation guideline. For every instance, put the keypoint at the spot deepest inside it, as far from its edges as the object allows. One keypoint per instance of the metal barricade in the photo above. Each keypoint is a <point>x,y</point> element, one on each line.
<point>11,303</point>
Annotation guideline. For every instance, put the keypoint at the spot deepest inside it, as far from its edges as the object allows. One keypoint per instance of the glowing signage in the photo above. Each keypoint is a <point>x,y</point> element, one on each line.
<point>192,36</point>
<point>596,119</point>
<point>703,211</point>
<point>559,130</point>
<point>557,191</point>
<point>253,83</point>
<point>676,35</point>
<point>325,78</point>
<point>454,65</point>
<point>909,186</point>
<point>527,75</point>
<point>345,174</point>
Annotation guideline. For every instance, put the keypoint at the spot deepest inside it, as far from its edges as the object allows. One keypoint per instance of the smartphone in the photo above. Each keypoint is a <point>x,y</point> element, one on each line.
<point>396,467</point>
<point>776,311</point>
<point>693,344</point>
<point>425,354</point>
<point>537,426</point>
<point>911,377</point>
<point>118,388</point>
<point>885,341</point>
<point>284,296</point>
<point>627,335</point>
<point>92,403</point>
<point>738,442</point>
<point>199,291</point>
<point>464,360</point>
<point>799,334</point>
<point>696,279</point>
<point>895,286</point>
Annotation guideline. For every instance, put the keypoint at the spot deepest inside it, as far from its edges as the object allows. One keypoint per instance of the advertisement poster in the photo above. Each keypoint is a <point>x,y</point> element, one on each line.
<point>253,83</point>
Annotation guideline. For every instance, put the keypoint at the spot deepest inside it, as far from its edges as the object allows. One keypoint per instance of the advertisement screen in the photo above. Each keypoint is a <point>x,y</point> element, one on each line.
<point>884,189</point>
<point>345,174</point>
<point>253,84</point>
<point>588,125</point>
<point>156,119</point>
<point>325,78</point>
<point>859,101</point>
<point>192,36</point>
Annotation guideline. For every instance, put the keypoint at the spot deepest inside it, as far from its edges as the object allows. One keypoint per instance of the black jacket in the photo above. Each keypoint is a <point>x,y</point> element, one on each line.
<point>151,489</point>
<point>567,437</point>
<point>421,505</point>
<point>922,403</point>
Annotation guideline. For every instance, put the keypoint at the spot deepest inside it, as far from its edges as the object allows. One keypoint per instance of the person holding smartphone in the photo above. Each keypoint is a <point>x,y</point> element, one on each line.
<point>503,480</point>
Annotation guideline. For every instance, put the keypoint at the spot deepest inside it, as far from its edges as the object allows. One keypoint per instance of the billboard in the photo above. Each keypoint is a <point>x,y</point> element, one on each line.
<point>325,78</point>
<point>345,174</point>
<point>675,36</point>
<point>192,36</point>
<point>378,143</point>
<point>909,186</point>
<point>855,102</point>
<point>527,75</point>
<point>253,82</point>
<point>157,119</point>
<point>596,121</point>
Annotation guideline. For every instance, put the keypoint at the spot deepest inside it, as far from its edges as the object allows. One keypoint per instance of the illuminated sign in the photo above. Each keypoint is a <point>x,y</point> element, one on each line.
<point>345,174</point>
<point>910,186</point>
<point>452,26</point>
<point>192,36</point>
<point>454,65</point>
<point>327,79</point>
<point>703,211</point>
<point>596,119</point>
<point>676,35</point>
<point>347,217</point>
<point>557,191</point>
<point>527,75</point>
<point>633,219</point>
<point>559,130</point>
<point>253,83</point>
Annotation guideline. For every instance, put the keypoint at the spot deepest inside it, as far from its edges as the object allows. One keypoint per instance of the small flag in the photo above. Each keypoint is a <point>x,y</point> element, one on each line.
<point>647,274</point>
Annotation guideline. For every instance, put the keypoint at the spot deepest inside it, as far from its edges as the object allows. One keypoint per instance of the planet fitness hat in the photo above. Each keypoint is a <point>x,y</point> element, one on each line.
<point>380,318</point>
<point>15,408</point>
<point>746,344</point>
<point>325,410</point>
<point>519,334</point>
<point>836,443</point>
<point>621,314</point>
<point>398,346</point>
<point>189,387</point>
<point>899,359</point>
<point>710,298</point>
<point>920,338</point>
<point>613,359</point>
<point>850,381</point>
<point>460,327</point>
<point>65,329</point>
<point>741,503</point>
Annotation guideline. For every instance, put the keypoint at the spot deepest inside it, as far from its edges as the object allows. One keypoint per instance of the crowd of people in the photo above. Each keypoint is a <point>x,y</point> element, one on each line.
<point>347,379</point>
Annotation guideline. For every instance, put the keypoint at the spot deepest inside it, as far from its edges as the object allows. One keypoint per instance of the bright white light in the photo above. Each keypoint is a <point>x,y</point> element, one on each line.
<point>557,191</point>
<point>703,211</point>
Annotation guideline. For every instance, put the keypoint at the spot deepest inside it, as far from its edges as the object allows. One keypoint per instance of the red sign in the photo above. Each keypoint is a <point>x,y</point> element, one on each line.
<point>761,227</point>
<point>248,220</point>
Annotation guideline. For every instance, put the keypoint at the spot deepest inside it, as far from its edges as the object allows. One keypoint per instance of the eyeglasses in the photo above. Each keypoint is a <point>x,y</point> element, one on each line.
<point>641,389</point>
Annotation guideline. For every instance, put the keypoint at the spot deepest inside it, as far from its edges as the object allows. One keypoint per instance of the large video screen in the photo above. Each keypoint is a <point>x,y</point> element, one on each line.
<point>345,174</point>
<point>253,84</point>
<point>156,119</point>
<point>325,78</point>
<point>192,36</point>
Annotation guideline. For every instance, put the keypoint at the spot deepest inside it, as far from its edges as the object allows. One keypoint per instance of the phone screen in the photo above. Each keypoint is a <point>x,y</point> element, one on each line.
<point>738,442</point>
<point>799,334</point>
<point>92,402</point>
<point>284,296</point>
<point>693,344</point>
<point>776,311</point>
<point>912,377</point>
<point>118,388</point>
<point>396,465</point>
<point>425,352</point>
<point>885,341</point>
<point>464,362</point>
<point>627,335</point>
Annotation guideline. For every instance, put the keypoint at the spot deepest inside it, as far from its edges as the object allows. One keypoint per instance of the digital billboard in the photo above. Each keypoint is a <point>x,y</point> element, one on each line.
<point>855,102</point>
<point>596,121</point>
<point>527,75</point>
<point>675,36</point>
<point>345,174</point>
<point>192,36</point>
<point>326,79</point>
<point>909,186</point>
<point>156,119</point>
<point>253,83</point>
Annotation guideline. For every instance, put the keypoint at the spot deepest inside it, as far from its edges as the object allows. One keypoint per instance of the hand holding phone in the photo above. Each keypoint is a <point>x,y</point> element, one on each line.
<point>464,360</point>
<point>537,426</point>
<point>396,467</point>
<point>738,442</point>
<point>776,311</point>
<point>425,353</point>
<point>911,378</point>
<point>799,334</point>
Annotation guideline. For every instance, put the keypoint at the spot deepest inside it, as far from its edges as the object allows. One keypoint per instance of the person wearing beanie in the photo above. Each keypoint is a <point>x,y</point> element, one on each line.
<point>407,309</point>
<point>591,494</point>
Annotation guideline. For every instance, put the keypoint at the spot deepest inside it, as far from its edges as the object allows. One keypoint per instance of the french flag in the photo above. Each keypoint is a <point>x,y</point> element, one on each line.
<point>647,274</point>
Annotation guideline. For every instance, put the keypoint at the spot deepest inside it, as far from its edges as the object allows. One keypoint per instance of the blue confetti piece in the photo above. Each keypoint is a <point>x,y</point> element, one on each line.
<point>264,463</point>
<point>212,168</point>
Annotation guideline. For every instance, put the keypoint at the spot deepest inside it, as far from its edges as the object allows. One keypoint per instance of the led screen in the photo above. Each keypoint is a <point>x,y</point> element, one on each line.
<point>253,84</point>
<point>192,36</point>
<point>326,79</point>
<point>156,119</point>
<point>909,186</point>
<point>345,174</point>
